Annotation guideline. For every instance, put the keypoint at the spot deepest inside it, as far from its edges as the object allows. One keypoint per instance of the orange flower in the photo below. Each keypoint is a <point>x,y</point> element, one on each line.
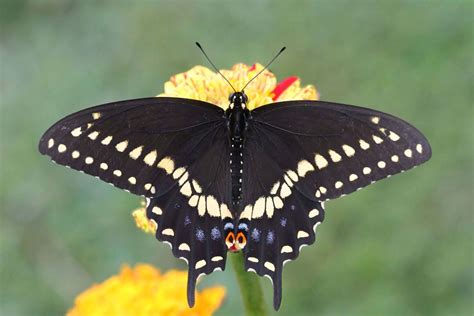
<point>144,290</point>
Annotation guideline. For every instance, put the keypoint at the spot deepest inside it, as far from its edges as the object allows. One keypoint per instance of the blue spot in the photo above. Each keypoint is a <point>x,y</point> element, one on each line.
<point>215,233</point>
<point>243,226</point>
<point>283,221</point>
<point>293,207</point>
<point>270,237</point>
<point>187,221</point>
<point>256,235</point>
<point>200,234</point>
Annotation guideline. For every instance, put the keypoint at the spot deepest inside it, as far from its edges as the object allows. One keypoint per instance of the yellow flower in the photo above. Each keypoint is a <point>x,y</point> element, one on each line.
<point>142,221</point>
<point>144,290</point>
<point>203,84</point>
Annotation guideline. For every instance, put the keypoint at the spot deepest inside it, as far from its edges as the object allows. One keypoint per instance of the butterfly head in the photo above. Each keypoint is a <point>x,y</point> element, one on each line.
<point>235,239</point>
<point>238,100</point>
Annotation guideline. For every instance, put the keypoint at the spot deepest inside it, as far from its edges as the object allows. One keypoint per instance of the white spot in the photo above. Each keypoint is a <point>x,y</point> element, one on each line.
<point>353,177</point>
<point>93,135</point>
<point>156,210</point>
<point>317,194</point>
<point>338,184</point>
<point>302,234</point>
<point>193,201</point>
<point>169,244</point>
<point>316,226</point>
<point>363,144</point>
<point>134,154</point>
<point>247,212</point>
<point>104,166</point>
<point>251,270</point>
<point>117,173</point>
<point>269,207</point>
<point>196,187</point>
<point>50,143</point>
<point>150,158</point>
<point>217,258</point>
<point>62,148</point>
<point>178,172</point>
<point>287,180</point>
<point>252,259</point>
<point>186,189</point>
<point>147,186</point>
<point>334,156</point>
<point>275,188</point>
<point>366,170</point>
<point>167,164</point>
<point>122,146</point>
<point>323,190</point>
<point>393,136</point>
<point>269,266</point>
<point>419,148</point>
<point>277,202</point>
<point>377,139</point>
<point>96,115</point>
<point>375,119</point>
<point>202,206</point>
<point>292,175</point>
<point>89,160</point>
<point>259,208</point>
<point>313,213</point>
<point>132,180</point>
<point>212,206</point>
<point>408,153</point>
<point>381,164</point>
<point>321,162</point>
<point>394,158</point>
<point>152,190</point>
<point>304,166</point>
<point>76,132</point>
<point>106,140</point>
<point>168,232</point>
<point>75,154</point>
<point>286,249</point>
<point>184,247</point>
<point>348,150</point>
<point>225,213</point>
<point>200,264</point>
<point>285,191</point>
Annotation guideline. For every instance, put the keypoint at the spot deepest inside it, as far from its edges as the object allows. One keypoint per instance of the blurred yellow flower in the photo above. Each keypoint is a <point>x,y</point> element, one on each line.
<point>144,290</point>
<point>203,84</point>
<point>142,221</point>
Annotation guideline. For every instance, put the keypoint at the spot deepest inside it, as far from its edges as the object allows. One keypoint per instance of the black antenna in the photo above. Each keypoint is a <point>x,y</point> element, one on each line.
<point>271,61</point>
<point>209,60</point>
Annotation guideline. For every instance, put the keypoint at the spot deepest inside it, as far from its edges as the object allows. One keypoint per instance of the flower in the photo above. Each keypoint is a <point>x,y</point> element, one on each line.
<point>203,84</point>
<point>144,290</point>
<point>142,221</point>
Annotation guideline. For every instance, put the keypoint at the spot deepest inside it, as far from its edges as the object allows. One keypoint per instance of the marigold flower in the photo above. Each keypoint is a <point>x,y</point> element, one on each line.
<point>144,290</point>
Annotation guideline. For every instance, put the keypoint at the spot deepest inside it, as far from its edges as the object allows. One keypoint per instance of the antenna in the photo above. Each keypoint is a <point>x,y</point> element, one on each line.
<point>271,61</point>
<point>209,60</point>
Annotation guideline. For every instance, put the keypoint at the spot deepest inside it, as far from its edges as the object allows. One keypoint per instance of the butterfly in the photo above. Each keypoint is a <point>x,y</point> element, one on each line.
<point>234,180</point>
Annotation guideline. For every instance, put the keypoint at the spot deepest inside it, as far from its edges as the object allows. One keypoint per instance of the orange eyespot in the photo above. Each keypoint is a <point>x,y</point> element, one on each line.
<point>241,238</point>
<point>230,238</point>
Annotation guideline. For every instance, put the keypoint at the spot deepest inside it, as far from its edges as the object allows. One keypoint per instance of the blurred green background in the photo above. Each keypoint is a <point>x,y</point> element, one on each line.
<point>400,247</point>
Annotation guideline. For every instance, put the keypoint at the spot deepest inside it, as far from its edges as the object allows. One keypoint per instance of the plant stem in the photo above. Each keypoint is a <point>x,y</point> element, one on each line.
<point>252,294</point>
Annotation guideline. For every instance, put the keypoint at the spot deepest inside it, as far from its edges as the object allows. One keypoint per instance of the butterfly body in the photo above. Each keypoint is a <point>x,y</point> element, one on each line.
<point>235,180</point>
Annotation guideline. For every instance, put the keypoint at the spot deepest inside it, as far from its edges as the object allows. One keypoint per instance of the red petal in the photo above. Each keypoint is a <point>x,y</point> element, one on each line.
<point>282,86</point>
<point>253,67</point>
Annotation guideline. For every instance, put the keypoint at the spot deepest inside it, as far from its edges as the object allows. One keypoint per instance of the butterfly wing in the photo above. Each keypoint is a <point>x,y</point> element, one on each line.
<point>299,154</point>
<point>160,148</point>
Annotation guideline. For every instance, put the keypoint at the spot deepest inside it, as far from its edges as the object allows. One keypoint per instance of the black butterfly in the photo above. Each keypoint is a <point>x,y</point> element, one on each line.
<point>218,181</point>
